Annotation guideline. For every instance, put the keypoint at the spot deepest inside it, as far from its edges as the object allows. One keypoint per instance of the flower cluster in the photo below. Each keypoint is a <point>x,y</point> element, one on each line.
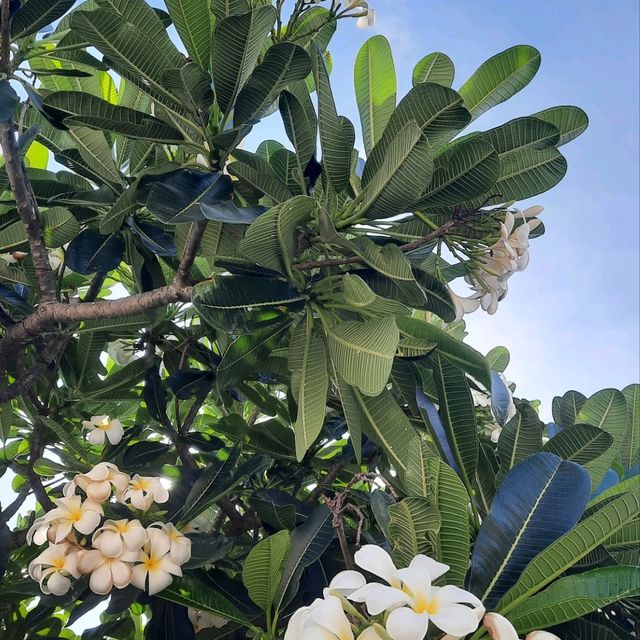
<point>402,608</point>
<point>99,427</point>
<point>508,255</point>
<point>115,553</point>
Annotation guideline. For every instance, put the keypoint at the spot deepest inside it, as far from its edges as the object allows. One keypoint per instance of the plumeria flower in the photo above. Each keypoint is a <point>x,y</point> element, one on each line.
<point>412,599</point>
<point>98,482</point>
<point>155,569</point>
<point>42,530</point>
<point>493,431</point>
<point>367,20</point>
<point>464,305</point>
<point>106,572</point>
<point>101,426</point>
<point>324,619</point>
<point>204,620</point>
<point>53,567</point>
<point>72,513</point>
<point>143,491</point>
<point>500,628</point>
<point>115,537</point>
<point>179,544</point>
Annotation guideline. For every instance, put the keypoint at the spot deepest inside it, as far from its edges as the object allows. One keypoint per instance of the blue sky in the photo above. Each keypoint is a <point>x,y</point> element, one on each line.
<point>571,319</point>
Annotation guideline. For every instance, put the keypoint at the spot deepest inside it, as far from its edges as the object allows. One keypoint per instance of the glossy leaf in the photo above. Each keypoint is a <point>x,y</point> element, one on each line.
<point>570,121</point>
<point>520,437</point>
<point>434,67</point>
<point>91,252</point>
<point>539,500</point>
<point>580,443</point>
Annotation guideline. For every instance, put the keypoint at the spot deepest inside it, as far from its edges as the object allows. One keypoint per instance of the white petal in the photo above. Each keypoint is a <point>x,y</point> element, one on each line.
<point>100,581</point>
<point>499,627</point>
<point>451,594</point>
<point>88,522</point>
<point>406,624</point>
<point>435,568</point>
<point>139,577</point>
<point>158,580</point>
<point>121,573</point>
<point>329,614</point>
<point>98,491</point>
<point>109,543</point>
<point>541,635</point>
<point>455,619</point>
<point>376,560</point>
<point>346,582</point>
<point>115,434</point>
<point>531,212</point>
<point>96,437</point>
<point>58,584</point>
<point>180,553</point>
<point>160,541</point>
<point>135,537</point>
<point>88,561</point>
<point>417,579</point>
<point>379,597</point>
<point>369,634</point>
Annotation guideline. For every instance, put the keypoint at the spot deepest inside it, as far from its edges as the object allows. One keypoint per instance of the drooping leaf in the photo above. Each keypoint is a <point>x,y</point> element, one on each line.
<point>237,42</point>
<point>540,499</point>
<point>363,352</point>
<point>91,252</point>
<point>411,520</point>
<point>263,567</point>
<point>434,67</point>
<point>375,85</point>
<point>500,78</point>
<point>35,14</point>
<point>83,109</point>
<point>300,128</point>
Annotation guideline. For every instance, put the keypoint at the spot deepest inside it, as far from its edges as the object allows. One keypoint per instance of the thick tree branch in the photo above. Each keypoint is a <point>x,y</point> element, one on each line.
<point>194,239</point>
<point>23,193</point>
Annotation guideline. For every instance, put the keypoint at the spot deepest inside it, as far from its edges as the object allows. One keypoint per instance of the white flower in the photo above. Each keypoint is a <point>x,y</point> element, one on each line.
<point>493,430</point>
<point>106,572</point>
<point>122,352</point>
<point>99,426</point>
<point>115,537</point>
<point>324,619</point>
<point>97,483</point>
<point>345,583</point>
<point>155,569</point>
<point>53,567</point>
<point>411,598</point>
<point>500,628</point>
<point>143,491</point>
<point>366,21</point>
<point>179,544</point>
<point>204,620</point>
<point>56,258</point>
<point>72,513</point>
<point>464,305</point>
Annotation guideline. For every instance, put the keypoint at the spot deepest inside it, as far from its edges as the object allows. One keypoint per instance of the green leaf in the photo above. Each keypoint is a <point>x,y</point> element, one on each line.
<point>313,389</point>
<point>388,425</point>
<point>449,497</point>
<point>35,14</point>
<point>191,592</point>
<point>124,206</point>
<point>580,443</point>
<point>237,43</point>
<point>308,542</point>
<point>574,596</point>
<point>387,259</point>
<point>437,110</point>
<point>417,477</point>
<point>9,100</point>
<point>59,227</point>
<point>570,405</point>
<point>500,78</point>
<point>225,8</point>
<point>569,549</point>
<point>223,303</point>
<point>193,21</point>
<point>363,352</point>
<point>411,520</point>
<point>457,412</point>
<point>301,129</point>
<point>283,64</point>
<point>94,154</point>
<point>498,359</point>
<point>258,173</point>
<point>460,354</point>
<point>570,121</point>
<point>402,177</point>
<point>630,448</point>
<point>520,134</point>
<point>467,171</point>
<point>434,67</point>
<point>263,568</point>
<point>246,353</point>
<point>272,240</point>
<point>607,410</point>
<point>83,109</point>
<point>375,84</point>
<point>336,136</point>
<point>353,413</point>
<point>520,437</point>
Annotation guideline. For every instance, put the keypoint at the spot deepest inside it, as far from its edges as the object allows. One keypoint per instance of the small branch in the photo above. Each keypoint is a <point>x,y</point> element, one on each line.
<point>332,474</point>
<point>13,508</point>
<point>194,239</point>
<point>36,449</point>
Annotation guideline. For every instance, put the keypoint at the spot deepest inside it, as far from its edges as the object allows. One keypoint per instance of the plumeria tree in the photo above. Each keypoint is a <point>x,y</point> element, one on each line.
<point>235,394</point>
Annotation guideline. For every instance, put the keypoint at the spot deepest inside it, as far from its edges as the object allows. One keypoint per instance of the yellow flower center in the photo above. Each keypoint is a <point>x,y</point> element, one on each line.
<point>123,526</point>
<point>58,563</point>
<point>426,605</point>
<point>152,563</point>
<point>105,425</point>
<point>75,514</point>
<point>142,484</point>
